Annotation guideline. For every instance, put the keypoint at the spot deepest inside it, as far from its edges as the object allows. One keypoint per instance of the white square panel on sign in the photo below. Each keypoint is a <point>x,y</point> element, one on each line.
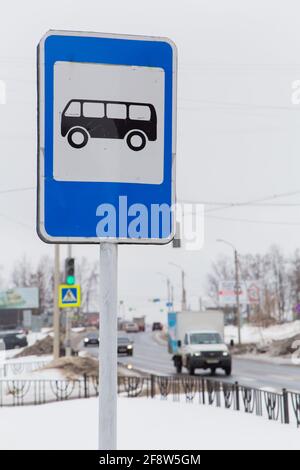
<point>108,123</point>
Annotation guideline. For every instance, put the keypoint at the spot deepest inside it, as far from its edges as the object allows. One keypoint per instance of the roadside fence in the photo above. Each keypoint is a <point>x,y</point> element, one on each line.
<point>283,406</point>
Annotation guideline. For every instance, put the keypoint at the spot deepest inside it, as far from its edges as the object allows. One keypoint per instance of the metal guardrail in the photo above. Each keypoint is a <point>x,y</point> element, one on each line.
<point>283,407</point>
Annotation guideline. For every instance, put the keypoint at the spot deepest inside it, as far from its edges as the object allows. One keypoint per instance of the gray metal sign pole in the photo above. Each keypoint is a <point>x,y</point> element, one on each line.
<point>108,346</point>
<point>68,318</point>
<point>56,319</point>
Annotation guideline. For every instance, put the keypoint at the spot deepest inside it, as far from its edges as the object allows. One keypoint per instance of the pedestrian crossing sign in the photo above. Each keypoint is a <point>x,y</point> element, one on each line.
<point>69,296</point>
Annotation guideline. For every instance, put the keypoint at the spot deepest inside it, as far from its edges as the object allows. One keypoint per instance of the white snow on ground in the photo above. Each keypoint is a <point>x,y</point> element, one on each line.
<point>27,359</point>
<point>256,334</point>
<point>142,424</point>
<point>38,374</point>
<point>33,337</point>
<point>12,373</point>
<point>278,360</point>
<point>159,337</point>
<point>23,367</point>
<point>252,334</point>
<point>78,329</point>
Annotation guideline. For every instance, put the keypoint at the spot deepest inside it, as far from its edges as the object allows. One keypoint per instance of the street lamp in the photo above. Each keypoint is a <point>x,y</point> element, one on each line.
<point>169,299</point>
<point>183,298</point>
<point>237,283</point>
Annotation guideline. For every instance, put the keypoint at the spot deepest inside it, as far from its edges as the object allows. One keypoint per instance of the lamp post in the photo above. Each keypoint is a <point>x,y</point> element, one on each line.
<point>169,288</point>
<point>183,297</point>
<point>237,283</point>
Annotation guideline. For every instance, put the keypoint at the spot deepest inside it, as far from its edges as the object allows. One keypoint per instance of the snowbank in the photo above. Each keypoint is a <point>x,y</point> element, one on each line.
<point>256,334</point>
<point>142,424</point>
<point>33,337</point>
<point>28,367</point>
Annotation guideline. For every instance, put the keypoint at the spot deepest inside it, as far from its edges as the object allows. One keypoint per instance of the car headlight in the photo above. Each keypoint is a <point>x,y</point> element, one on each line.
<point>225,353</point>
<point>86,340</point>
<point>129,346</point>
<point>197,354</point>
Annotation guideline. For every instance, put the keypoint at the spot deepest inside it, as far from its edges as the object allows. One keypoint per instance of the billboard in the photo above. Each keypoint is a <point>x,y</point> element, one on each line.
<point>249,292</point>
<point>19,298</point>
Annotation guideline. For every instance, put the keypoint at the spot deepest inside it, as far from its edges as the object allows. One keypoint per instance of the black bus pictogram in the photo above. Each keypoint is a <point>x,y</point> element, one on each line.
<point>85,119</point>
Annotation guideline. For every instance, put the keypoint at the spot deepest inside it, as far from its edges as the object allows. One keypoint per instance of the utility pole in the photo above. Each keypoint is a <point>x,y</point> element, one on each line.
<point>169,295</point>
<point>56,320</point>
<point>237,286</point>
<point>237,294</point>
<point>168,292</point>
<point>169,289</point>
<point>172,296</point>
<point>183,291</point>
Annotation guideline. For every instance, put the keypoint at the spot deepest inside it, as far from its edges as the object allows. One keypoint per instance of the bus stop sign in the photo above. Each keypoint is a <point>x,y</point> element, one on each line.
<point>107,121</point>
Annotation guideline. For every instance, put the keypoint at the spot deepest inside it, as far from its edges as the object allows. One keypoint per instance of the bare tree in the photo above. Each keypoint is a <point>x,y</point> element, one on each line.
<point>294,279</point>
<point>280,284</point>
<point>22,274</point>
<point>221,270</point>
<point>44,280</point>
<point>87,276</point>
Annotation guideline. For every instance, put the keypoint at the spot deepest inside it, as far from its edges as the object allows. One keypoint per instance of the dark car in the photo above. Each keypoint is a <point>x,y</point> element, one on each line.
<point>125,346</point>
<point>13,339</point>
<point>157,326</point>
<point>91,339</point>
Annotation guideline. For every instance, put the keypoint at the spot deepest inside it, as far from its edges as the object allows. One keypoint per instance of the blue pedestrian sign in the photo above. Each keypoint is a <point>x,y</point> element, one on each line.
<point>69,296</point>
<point>107,138</point>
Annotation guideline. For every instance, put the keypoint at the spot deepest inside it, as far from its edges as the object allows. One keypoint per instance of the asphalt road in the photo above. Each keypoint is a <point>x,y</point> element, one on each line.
<point>152,357</point>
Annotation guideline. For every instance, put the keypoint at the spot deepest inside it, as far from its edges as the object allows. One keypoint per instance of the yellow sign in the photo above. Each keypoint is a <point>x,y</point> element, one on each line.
<point>69,296</point>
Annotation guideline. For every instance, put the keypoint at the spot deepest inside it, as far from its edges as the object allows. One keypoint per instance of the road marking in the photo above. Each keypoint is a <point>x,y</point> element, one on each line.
<point>290,378</point>
<point>245,379</point>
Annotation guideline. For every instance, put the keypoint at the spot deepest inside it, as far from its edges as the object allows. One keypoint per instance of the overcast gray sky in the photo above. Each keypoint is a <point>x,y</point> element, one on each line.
<point>238,133</point>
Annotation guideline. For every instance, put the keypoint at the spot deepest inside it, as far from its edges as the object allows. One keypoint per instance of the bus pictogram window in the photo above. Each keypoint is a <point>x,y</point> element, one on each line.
<point>93,110</point>
<point>73,109</point>
<point>139,113</point>
<point>116,111</point>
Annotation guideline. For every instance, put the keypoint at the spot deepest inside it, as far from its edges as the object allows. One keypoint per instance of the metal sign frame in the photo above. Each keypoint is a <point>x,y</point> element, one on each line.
<point>91,47</point>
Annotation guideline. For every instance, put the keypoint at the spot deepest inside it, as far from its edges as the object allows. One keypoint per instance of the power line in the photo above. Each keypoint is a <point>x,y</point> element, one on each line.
<point>10,219</point>
<point>239,105</point>
<point>252,202</point>
<point>277,204</point>
<point>251,221</point>
<point>265,67</point>
<point>15,190</point>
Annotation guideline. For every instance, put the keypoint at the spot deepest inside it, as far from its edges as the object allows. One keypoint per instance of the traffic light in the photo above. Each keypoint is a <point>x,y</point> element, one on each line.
<point>70,271</point>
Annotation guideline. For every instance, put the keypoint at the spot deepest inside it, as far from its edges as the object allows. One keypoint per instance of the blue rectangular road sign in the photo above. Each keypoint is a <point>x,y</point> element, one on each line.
<point>107,138</point>
<point>69,296</point>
